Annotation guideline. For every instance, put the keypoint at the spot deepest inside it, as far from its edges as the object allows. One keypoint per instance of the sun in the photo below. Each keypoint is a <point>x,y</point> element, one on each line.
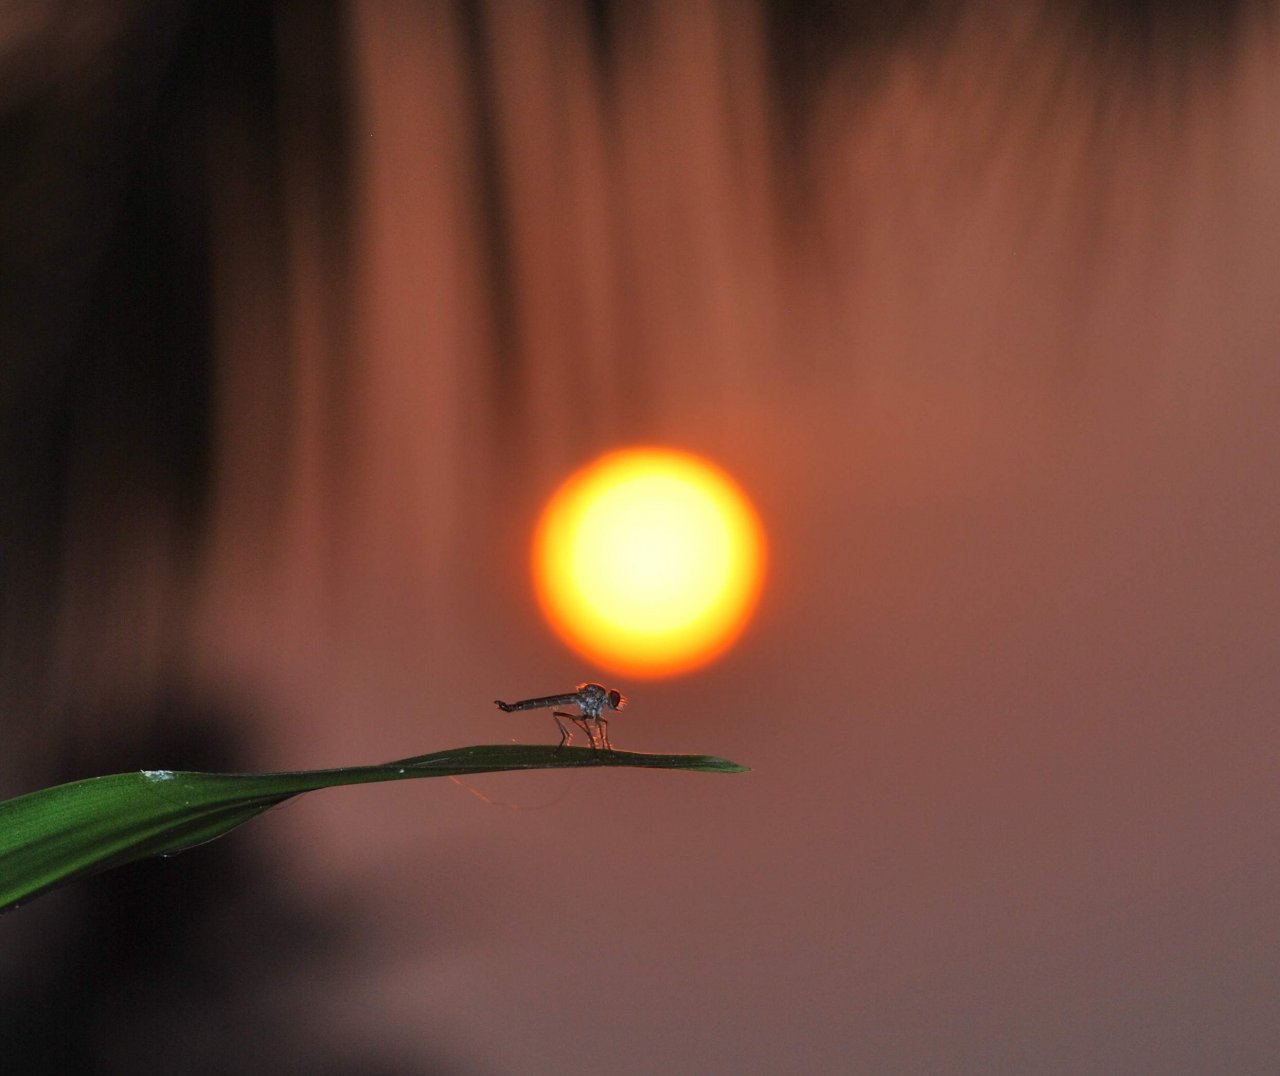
<point>649,561</point>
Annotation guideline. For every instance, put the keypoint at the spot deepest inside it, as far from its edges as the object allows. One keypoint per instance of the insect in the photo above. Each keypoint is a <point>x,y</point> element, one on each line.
<point>592,700</point>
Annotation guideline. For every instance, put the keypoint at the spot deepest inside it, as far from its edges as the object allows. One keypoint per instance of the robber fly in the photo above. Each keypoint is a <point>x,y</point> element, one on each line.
<point>592,701</point>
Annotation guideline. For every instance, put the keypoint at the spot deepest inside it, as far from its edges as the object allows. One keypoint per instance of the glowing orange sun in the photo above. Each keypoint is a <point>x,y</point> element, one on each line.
<point>649,561</point>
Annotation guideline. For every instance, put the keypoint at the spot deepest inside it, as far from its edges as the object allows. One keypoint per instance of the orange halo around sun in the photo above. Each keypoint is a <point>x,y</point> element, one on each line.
<point>649,561</point>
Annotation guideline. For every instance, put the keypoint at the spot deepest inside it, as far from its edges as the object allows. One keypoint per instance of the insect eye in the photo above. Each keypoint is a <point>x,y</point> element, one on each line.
<point>615,700</point>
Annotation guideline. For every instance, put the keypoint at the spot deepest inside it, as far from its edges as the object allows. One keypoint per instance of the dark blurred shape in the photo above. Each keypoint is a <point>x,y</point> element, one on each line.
<point>102,270</point>
<point>1149,31</point>
<point>493,226</point>
<point>110,119</point>
<point>808,39</point>
<point>104,327</point>
<point>602,25</point>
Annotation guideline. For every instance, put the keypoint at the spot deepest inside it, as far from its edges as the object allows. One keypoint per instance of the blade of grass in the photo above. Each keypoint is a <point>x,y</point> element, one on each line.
<point>55,835</point>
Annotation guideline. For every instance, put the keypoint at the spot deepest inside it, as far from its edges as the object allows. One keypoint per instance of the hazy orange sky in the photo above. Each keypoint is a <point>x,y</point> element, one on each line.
<point>991,340</point>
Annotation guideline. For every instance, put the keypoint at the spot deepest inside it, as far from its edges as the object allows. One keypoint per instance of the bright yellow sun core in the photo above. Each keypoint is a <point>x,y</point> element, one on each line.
<point>649,561</point>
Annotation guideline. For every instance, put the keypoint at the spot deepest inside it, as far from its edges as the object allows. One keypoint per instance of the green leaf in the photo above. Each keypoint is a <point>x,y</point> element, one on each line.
<point>53,836</point>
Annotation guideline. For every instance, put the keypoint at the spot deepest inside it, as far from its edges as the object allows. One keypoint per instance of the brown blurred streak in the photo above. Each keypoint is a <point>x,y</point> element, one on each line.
<point>282,202</point>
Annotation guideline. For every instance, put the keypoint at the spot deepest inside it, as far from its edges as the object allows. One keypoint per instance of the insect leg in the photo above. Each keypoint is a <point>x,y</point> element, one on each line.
<point>584,723</point>
<point>603,722</point>
<point>566,737</point>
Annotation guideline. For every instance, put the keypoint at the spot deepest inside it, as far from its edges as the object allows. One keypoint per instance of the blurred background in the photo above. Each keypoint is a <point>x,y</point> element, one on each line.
<point>307,307</point>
